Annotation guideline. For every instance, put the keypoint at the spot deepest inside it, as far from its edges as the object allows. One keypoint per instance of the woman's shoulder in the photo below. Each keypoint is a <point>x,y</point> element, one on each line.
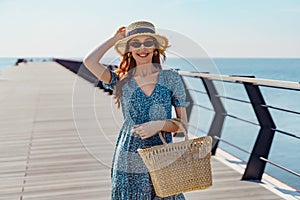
<point>170,77</point>
<point>170,72</point>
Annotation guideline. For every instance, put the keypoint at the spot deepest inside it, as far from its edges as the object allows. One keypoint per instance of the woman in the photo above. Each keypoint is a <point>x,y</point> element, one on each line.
<point>146,94</point>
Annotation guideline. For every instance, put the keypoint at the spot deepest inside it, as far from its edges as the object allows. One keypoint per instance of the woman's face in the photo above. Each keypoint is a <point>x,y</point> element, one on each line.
<point>142,48</point>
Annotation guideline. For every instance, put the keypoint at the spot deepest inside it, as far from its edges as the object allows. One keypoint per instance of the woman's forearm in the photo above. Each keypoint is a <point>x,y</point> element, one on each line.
<point>173,126</point>
<point>168,126</point>
<point>97,53</point>
<point>91,60</point>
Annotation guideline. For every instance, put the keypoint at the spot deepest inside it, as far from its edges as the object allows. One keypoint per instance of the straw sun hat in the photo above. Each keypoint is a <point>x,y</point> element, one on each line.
<point>141,28</point>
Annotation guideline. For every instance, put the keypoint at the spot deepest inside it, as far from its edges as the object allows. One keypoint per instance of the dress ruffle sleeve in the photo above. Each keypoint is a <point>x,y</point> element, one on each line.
<point>178,91</point>
<point>113,82</point>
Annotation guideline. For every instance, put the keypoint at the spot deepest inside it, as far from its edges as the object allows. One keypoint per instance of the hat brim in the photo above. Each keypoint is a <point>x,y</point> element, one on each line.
<point>120,46</point>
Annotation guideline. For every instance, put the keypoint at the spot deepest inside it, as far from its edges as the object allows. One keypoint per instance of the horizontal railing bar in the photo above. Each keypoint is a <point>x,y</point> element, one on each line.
<point>279,166</point>
<point>229,115</point>
<point>220,80</point>
<point>279,87</point>
<point>286,133</point>
<point>256,81</point>
<point>282,109</point>
<point>234,99</point>
<point>227,81</point>
<point>195,90</point>
<point>203,107</point>
<point>239,148</point>
<point>241,119</point>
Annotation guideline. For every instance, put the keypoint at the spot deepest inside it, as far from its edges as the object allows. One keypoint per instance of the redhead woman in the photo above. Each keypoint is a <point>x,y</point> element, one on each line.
<point>146,94</point>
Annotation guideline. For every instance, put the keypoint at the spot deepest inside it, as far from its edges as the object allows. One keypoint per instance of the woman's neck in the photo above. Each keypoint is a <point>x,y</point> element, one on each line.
<point>145,70</point>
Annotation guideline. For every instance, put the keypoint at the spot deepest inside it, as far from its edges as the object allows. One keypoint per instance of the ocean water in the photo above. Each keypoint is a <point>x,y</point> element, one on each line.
<point>285,150</point>
<point>7,62</point>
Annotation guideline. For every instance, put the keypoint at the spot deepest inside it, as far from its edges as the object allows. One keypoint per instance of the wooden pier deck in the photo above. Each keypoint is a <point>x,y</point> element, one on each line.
<point>42,155</point>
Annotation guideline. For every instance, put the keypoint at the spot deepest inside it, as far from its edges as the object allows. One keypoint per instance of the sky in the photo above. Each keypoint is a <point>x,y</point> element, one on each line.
<point>221,28</point>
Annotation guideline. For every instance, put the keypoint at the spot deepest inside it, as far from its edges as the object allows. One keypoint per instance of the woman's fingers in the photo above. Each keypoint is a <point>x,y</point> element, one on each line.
<point>120,33</point>
<point>122,29</point>
<point>139,132</point>
<point>143,130</point>
<point>133,131</point>
<point>138,129</point>
<point>143,136</point>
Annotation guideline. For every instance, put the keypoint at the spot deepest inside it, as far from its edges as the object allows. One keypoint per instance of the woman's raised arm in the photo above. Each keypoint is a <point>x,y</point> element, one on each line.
<point>91,60</point>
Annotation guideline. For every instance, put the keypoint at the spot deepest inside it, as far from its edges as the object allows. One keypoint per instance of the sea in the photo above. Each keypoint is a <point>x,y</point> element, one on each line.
<point>285,150</point>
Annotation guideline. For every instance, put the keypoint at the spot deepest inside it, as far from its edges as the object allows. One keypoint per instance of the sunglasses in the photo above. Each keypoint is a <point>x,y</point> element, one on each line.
<point>137,44</point>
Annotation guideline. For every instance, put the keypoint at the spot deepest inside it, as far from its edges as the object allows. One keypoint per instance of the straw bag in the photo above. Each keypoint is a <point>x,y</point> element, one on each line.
<point>179,167</point>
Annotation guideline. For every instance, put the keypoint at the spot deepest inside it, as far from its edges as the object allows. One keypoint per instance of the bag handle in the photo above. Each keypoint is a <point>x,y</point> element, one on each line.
<point>182,128</point>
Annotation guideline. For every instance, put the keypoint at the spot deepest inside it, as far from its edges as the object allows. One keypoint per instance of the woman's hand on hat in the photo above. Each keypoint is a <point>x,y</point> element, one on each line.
<point>148,129</point>
<point>120,34</point>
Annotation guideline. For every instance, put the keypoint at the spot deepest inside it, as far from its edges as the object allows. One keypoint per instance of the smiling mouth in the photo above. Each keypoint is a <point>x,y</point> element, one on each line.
<point>143,55</point>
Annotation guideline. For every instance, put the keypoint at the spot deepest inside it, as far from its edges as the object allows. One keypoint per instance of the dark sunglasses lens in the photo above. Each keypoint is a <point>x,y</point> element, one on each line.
<point>136,44</point>
<point>148,43</point>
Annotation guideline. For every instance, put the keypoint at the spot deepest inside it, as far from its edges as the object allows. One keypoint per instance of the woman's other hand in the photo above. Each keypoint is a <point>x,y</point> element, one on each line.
<point>148,129</point>
<point>120,34</point>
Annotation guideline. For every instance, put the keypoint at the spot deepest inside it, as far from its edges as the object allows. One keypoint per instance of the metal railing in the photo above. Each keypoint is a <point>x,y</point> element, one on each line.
<point>259,154</point>
<point>260,151</point>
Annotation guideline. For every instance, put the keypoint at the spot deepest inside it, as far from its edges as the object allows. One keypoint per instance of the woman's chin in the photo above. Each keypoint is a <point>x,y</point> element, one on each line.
<point>145,60</point>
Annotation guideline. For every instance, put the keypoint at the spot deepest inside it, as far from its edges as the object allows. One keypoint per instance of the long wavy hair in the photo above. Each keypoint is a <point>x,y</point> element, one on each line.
<point>127,65</point>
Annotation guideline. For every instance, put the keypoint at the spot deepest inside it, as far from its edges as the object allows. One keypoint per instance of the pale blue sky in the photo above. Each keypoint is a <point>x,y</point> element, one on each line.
<point>223,28</point>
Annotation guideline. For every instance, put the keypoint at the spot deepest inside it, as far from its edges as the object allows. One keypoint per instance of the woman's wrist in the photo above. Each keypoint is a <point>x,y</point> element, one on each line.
<point>113,40</point>
<point>118,37</point>
<point>170,126</point>
<point>158,125</point>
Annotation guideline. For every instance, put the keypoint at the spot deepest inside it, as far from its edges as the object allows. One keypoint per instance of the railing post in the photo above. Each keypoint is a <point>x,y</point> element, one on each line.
<point>255,167</point>
<point>220,113</point>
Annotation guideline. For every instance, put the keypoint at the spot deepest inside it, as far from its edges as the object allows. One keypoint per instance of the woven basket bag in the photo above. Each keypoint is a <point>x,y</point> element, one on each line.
<point>179,167</point>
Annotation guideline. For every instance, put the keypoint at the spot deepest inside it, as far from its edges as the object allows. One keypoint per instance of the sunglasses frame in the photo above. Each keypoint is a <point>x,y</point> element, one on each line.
<point>139,44</point>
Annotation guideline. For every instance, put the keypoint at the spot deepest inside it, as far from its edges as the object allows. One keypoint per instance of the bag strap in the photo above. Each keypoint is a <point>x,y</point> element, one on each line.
<point>182,128</point>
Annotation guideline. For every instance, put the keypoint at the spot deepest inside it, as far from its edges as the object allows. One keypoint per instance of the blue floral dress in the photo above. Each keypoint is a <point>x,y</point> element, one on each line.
<point>130,177</point>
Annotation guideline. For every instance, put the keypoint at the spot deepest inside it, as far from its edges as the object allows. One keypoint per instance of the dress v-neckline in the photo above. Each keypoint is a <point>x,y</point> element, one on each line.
<point>153,88</point>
